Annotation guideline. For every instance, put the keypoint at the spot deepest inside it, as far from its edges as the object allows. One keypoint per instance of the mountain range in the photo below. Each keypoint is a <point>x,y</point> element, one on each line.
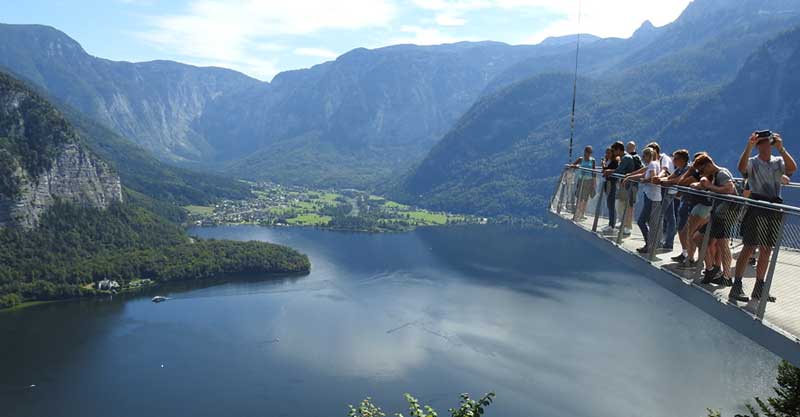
<point>681,84</point>
<point>478,127</point>
<point>348,122</point>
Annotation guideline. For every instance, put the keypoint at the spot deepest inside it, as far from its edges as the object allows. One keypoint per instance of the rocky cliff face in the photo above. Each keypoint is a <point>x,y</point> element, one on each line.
<point>75,176</point>
<point>43,160</point>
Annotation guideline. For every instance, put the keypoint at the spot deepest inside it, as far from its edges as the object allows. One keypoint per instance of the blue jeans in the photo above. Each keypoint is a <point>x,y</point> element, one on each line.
<point>646,217</point>
<point>611,200</point>
<point>670,214</point>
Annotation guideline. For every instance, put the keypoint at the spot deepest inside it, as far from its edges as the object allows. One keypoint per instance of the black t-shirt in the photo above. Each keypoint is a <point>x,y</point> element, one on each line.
<point>694,198</point>
<point>637,160</point>
<point>614,164</point>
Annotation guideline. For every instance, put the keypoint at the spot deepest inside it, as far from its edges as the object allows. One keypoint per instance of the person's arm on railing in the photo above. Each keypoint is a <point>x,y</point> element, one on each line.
<point>687,178</point>
<point>639,171</point>
<point>705,184</point>
<point>744,159</point>
<point>788,160</point>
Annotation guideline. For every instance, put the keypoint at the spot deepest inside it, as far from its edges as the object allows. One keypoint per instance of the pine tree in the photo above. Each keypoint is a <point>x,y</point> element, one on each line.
<point>786,403</point>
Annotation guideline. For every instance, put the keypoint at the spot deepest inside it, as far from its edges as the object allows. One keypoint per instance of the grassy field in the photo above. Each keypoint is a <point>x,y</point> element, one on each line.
<point>200,210</point>
<point>428,217</point>
<point>311,219</point>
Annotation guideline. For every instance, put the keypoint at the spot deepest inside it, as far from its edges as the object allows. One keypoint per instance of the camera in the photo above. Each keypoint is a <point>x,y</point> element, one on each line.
<point>763,134</point>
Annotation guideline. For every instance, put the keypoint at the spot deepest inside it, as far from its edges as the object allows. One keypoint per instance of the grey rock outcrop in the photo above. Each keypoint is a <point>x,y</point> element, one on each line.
<point>75,176</point>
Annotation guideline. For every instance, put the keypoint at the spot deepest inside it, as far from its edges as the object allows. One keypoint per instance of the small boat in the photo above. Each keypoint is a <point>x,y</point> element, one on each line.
<point>158,299</point>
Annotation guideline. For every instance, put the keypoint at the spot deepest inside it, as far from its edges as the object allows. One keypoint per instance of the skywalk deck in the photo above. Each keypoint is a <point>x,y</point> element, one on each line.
<point>777,327</point>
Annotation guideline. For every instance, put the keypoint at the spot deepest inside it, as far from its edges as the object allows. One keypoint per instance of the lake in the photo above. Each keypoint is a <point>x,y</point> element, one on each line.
<point>541,318</point>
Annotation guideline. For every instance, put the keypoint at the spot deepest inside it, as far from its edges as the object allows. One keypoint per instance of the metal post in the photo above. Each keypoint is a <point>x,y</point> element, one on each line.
<point>762,303</point>
<point>628,207</point>
<point>560,193</point>
<point>701,256</point>
<point>578,194</point>
<point>655,235</point>
<point>599,208</point>
<point>562,190</point>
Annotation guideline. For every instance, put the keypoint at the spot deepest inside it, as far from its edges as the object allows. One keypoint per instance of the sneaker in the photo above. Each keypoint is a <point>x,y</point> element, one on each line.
<point>679,259</point>
<point>688,264</point>
<point>626,231</point>
<point>737,293</point>
<point>758,289</point>
<point>643,249</point>
<point>709,275</point>
<point>608,229</point>
<point>723,281</point>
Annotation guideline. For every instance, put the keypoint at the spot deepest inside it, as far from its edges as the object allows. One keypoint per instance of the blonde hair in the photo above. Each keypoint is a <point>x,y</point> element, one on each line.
<point>648,153</point>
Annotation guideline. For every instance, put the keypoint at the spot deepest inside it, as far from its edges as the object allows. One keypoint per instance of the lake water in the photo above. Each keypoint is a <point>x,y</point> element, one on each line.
<point>541,318</point>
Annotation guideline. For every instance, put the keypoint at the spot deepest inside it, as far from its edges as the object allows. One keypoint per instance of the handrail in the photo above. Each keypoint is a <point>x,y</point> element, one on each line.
<point>707,194</point>
<point>737,179</point>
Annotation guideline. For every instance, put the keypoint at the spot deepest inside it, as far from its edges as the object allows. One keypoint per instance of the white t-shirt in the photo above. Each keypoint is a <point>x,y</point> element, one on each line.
<point>666,162</point>
<point>652,191</point>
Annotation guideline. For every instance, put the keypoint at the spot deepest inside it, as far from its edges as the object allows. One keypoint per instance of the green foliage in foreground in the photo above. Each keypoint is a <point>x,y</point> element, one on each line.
<point>75,246</point>
<point>786,402</point>
<point>467,408</point>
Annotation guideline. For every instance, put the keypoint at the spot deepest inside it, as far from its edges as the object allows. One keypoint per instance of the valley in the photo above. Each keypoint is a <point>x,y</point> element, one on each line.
<point>346,209</point>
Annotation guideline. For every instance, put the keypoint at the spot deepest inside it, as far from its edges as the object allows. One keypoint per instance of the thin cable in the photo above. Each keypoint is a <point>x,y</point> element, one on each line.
<point>575,83</point>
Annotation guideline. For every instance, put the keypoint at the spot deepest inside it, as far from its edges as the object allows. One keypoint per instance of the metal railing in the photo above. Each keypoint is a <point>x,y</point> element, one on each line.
<point>719,234</point>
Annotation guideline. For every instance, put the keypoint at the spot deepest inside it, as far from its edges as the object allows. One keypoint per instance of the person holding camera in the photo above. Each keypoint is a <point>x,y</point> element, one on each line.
<point>765,174</point>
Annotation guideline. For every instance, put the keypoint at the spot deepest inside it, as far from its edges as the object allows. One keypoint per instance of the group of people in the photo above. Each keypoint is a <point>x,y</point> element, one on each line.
<point>688,213</point>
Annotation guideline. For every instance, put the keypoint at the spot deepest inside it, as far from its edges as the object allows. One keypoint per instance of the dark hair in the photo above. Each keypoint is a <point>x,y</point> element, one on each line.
<point>655,146</point>
<point>682,154</point>
<point>618,146</point>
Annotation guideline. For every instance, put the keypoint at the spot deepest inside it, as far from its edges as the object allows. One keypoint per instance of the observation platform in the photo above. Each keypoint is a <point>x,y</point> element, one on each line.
<point>773,324</point>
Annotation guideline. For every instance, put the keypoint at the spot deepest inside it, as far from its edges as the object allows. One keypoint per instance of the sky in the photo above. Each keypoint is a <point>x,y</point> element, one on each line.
<point>263,37</point>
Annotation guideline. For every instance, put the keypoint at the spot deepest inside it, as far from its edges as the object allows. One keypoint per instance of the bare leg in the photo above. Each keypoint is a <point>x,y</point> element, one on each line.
<point>743,260</point>
<point>682,238</point>
<point>695,223</point>
<point>724,250</point>
<point>764,253</point>
<point>711,253</point>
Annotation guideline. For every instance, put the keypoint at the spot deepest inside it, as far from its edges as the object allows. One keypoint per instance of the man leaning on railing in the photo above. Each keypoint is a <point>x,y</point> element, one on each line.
<point>765,174</point>
<point>717,179</point>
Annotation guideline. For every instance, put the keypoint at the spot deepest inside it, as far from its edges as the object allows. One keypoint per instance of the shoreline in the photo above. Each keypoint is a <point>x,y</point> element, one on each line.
<point>156,285</point>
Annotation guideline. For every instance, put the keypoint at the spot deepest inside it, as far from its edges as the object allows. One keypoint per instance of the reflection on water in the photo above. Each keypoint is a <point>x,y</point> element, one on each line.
<point>546,322</point>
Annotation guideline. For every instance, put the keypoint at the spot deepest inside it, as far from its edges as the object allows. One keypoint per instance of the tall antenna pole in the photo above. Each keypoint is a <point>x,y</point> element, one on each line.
<point>575,83</point>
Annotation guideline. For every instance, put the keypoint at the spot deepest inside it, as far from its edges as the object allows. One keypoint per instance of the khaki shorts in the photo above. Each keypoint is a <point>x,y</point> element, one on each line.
<point>701,210</point>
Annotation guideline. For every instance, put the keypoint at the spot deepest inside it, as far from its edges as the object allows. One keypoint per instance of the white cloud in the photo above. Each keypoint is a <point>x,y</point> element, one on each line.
<point>316,52</point>
<point>618,18</point>
<point>611,18</point>
<point>259,37</point>
<point>422,36</point>
<point>450,20</point>
<point>228,31</point>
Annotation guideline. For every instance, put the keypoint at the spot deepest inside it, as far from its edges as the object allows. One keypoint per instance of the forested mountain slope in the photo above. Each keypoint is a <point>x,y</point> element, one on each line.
<point>501,156</point>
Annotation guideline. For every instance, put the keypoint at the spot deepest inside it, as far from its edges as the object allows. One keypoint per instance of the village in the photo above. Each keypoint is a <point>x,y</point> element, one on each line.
<point>347,209</point>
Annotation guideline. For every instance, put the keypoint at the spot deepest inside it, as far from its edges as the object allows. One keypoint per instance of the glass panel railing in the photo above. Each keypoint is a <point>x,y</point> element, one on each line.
<point>742,251</point>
